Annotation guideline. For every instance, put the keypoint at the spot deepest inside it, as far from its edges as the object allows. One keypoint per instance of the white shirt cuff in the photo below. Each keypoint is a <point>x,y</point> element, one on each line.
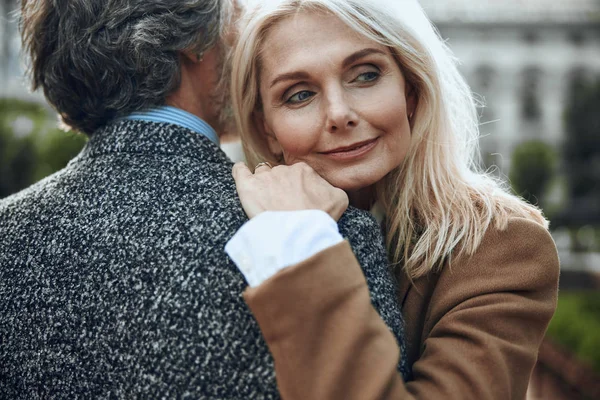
<point>274,240</point>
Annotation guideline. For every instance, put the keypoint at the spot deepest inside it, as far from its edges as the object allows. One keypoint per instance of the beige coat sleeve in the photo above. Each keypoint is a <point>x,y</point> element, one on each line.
<point>485,322</point>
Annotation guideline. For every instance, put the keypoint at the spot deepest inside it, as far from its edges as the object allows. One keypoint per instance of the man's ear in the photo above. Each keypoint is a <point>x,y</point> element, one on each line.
<point>264,129</point>
<point>191,56</point>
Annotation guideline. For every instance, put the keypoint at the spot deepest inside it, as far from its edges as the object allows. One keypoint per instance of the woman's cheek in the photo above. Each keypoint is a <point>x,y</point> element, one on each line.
<point>297,136</point>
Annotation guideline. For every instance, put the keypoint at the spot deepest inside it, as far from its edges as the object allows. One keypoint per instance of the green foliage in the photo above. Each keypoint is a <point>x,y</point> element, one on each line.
<point>576,325</point>
<point>582,146</point>
<point>31,146</point>
<point>56,149</point>
<point>533,166</point>
<point>16,162</point>
<point>582,150</point>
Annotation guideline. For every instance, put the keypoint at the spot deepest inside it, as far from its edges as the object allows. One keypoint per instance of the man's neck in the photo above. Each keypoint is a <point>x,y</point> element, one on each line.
<point>197,86</point>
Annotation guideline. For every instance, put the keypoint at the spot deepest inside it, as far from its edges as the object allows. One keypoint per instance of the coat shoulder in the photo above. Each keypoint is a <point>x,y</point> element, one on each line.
<point>518,258</point>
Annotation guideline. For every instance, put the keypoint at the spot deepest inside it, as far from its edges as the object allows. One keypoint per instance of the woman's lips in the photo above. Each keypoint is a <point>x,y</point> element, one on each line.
<point>353,151</point>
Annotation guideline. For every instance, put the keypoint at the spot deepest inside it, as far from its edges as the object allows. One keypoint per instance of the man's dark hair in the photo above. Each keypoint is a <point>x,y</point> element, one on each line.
<point>100,59</point>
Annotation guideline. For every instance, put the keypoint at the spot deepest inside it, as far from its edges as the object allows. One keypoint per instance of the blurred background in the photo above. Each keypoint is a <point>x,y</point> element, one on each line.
<point>535,64</point>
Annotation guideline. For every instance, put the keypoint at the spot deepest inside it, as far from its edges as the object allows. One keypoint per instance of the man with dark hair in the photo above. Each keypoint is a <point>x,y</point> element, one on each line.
<point>114,282</point>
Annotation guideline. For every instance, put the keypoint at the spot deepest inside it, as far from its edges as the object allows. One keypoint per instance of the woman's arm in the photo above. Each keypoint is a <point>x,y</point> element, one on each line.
<point>272,240</point>
<point>485,321</point>
<point>327,340</point>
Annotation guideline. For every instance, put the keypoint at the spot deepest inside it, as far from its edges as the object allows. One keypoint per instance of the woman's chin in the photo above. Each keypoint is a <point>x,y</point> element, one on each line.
<point>353,183</point>
<point>350,188</point>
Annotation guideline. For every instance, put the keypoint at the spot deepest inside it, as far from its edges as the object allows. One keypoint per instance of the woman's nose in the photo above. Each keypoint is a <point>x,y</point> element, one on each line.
<point>340,114</point>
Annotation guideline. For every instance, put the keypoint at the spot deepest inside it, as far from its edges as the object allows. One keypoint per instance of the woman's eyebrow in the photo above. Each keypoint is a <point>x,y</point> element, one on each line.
<point>347,61</point>
<point>288,77</point>
<point>360,54</point>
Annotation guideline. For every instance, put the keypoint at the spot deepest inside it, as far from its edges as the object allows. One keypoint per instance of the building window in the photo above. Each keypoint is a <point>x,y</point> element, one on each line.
<point>483,80</point>
<point>577,37</point>
<point>531,110</point>
<point>578,78</point>
<point>531,37</point>
<point>484,77</point>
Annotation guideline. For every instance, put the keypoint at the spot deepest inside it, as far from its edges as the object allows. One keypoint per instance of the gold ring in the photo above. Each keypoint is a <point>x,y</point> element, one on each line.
<point>262,164</point>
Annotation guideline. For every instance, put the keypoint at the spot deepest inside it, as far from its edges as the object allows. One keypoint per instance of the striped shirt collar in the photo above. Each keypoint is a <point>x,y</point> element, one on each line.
<point>177,116</point>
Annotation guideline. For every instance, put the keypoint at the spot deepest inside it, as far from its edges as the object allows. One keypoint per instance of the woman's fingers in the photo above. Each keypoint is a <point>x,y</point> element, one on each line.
<point>262,167</point>
<point>240,172</point>
<point>243,178</point>
<point>286,188</point>
<point>340,203</point>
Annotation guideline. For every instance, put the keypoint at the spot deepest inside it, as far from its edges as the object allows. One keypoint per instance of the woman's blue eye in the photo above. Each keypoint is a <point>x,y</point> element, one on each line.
<point>368,76</point>
<point>300,97</point>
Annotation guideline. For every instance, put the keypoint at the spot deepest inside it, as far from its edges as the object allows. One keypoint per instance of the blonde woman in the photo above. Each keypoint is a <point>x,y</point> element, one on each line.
<point>367,95</point>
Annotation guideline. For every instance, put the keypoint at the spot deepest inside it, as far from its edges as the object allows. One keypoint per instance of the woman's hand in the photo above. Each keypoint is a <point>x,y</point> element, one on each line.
<point>287,188</point>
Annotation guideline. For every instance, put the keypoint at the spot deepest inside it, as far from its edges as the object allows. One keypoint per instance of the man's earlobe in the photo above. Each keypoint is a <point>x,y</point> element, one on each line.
<point>192,56</point>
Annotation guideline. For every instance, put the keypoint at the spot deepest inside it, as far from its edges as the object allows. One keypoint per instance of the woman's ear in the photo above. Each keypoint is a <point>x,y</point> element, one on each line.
<point>264,129</point>
<point>411,102</point>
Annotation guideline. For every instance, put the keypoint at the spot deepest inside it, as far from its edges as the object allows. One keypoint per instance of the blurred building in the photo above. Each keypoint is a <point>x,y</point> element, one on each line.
<point>522,57</point>
<point>12,79</point>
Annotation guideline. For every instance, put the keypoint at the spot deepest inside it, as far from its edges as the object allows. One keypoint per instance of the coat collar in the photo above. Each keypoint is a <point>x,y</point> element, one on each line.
<point>421,286</point>
<point>152,138</point>
<point>176,116</point>
<point>404,285</point>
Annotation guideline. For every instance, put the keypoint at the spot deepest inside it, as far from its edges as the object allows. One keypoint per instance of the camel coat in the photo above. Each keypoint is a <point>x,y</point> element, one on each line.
<point>473,330</point>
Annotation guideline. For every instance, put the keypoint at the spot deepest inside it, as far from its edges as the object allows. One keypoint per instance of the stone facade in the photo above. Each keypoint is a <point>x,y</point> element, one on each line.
<point>522,57</point>
<point>12,77</point>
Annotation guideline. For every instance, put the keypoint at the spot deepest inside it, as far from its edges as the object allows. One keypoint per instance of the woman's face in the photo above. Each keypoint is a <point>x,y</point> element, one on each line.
<point>333,99</point>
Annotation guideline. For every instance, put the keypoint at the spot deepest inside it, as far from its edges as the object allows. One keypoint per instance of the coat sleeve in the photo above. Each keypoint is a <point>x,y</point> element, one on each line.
<point>485,322</point>
<point>327,340</point>
<point>486,319</point>
<point>364,234</point>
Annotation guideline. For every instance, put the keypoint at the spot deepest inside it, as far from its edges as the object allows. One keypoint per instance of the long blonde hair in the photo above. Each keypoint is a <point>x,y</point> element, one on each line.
<point>438,202</point>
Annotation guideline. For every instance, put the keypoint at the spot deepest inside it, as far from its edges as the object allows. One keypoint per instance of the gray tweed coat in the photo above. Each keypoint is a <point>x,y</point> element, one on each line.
<point>114,282</point>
